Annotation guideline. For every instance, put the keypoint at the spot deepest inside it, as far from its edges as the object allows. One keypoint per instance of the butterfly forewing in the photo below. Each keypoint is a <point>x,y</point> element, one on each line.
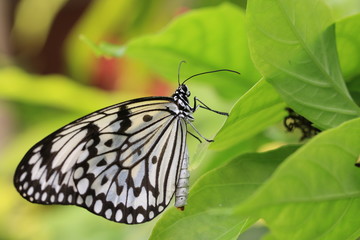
<point>121,162</point>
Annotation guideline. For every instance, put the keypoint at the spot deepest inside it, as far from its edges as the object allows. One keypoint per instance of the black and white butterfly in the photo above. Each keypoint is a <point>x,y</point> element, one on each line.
<point>124,162</point>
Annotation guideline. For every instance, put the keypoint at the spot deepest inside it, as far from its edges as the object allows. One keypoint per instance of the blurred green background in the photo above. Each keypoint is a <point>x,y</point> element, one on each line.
<point>48,77</point>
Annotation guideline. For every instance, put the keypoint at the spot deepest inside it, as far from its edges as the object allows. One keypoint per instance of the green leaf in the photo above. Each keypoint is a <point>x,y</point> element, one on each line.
<point>293,45</point>
<point>315,193</point>
<point>342,9</point>
<point>269,236</point>
<point>215,158</point>
<point>348,45</point>
<point>354,88</point>
<point>209,213</point>
<point>52,90</point>
<point>208,39</point>
<point>259,108</point>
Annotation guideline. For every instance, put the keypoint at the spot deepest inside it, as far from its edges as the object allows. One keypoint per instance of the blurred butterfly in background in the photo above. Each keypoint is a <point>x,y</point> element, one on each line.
<point>124,162</point>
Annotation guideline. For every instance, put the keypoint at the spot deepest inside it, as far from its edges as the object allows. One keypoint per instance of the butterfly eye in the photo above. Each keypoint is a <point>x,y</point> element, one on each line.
<point>184,88</point>
<point>188,93</point>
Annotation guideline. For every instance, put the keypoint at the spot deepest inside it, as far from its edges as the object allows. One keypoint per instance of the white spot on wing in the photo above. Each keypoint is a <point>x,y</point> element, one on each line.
<point>78,173</point>
<point>61,197</point>
<point>125,146</point>
<point>98,206</point>
<point>79,200</point>
<point>30,191</point>
<point>83,185</point>
<point>89,143</point>
<point>108,213</point>
<point>37,149</point>
<point>129,218</point>
<point>44,196</point>
<point>118,215</point>
<point>34,158</point>
<point>139,218</point>
<point>88,200</point>
<point>22,177</point>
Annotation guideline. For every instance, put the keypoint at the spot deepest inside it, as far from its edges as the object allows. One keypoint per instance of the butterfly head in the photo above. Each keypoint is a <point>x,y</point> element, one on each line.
<point>184,90</point>
<point>181,98</point>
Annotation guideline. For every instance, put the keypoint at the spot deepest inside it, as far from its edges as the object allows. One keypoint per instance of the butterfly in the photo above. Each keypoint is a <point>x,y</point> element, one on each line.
<point>124,162</point>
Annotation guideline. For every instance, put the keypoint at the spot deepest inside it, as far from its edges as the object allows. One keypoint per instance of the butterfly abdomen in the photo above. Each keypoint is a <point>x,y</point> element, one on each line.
<point>182,187</point>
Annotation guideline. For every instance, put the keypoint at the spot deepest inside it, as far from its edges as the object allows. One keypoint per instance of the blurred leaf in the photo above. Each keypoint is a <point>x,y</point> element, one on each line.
<point>209,214</point>
<point>53,90</point>
<point>348,45</point>
<point>296,53</point>
<point>104,48</point>
<point>316,188</point>
<point>208,39</point>
<point>342,9</point>
<point>269,236</point>
<point>99,19</point>
<point>259,108</point>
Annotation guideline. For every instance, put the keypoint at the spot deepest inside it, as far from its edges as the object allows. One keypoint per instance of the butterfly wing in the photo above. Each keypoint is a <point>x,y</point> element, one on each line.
<point>121,162</point>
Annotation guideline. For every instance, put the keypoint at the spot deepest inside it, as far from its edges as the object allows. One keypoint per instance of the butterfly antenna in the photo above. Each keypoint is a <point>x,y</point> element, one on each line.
<point>179,70</point>
<point>220,70</point>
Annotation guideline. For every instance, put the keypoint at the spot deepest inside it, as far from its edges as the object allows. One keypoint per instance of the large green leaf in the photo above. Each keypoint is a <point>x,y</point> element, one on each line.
<point>259,108</point>
<point>209,214</point>
<point>208,39</point>
<point>348,45</point>
<point>315,193</point>
<point>293,45</point>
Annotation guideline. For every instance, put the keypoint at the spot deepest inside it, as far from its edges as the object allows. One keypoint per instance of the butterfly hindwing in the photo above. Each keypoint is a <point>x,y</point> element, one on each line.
<point>121,162</point>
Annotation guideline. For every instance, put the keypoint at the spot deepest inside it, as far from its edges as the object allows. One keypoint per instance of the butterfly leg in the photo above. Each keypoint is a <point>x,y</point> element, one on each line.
<point>203,105</point>
<point>208,140</point>
<point>194,136</point>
